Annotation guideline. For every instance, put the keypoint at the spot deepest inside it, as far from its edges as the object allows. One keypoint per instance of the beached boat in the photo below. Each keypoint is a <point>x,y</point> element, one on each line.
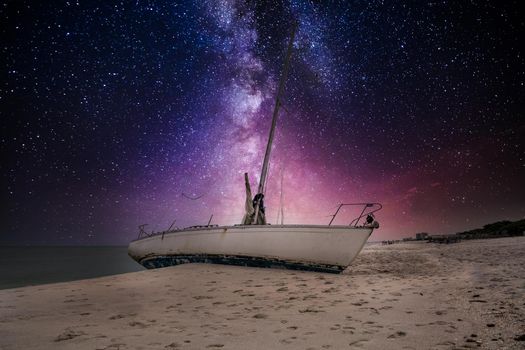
<point>309,247</point>
<point>328,248</point>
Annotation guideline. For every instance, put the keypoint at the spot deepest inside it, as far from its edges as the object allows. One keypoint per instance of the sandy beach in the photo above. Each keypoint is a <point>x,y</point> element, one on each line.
<point>401,296</point>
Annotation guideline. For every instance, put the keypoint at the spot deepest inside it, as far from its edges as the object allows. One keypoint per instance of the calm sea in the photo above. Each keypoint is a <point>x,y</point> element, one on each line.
<point>24,266</point>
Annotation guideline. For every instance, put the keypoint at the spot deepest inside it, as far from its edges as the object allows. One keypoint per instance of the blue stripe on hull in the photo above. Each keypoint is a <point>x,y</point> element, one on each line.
<point>171,260</point>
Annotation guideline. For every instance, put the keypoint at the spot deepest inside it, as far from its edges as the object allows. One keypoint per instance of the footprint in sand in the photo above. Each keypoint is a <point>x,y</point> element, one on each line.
<point>397,334</point>
<point>373,311</point>
<point>137,324</point>
<point>116,346</point>
<point>119,316</point>
<point>285,341</point>
<point>68,334</point>
<point>310,310</point>
<point>335,302</point>
<point>74,300</point>
<point>358,343</point>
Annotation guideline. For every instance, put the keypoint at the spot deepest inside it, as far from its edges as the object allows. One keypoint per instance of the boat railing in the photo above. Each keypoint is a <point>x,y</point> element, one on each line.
<point>144,234</point>
<point>368,210</point>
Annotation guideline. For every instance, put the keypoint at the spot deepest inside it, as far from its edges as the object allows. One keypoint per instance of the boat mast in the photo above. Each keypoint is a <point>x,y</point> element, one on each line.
<point>280,212</point>
<point>282,81</point>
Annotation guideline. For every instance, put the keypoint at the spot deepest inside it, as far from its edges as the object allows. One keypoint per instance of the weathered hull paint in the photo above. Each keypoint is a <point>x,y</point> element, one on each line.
<point>304,247</point>
<point>165,261</point>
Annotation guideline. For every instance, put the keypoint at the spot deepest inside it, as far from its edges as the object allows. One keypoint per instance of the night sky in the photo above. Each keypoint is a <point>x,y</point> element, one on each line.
<point>120,114</point>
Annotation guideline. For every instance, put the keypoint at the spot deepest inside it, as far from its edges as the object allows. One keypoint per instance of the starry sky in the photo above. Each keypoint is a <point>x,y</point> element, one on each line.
<point>116,114</point>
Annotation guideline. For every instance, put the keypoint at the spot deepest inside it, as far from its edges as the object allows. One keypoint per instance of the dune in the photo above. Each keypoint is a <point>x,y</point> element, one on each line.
<point>402,296</point>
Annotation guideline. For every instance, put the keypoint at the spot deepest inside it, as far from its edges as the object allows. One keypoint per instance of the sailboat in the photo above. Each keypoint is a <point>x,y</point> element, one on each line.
<point>325,248</point>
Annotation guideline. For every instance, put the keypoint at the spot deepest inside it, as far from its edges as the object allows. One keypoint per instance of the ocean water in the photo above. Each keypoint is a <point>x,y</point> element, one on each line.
<point>25,266</point>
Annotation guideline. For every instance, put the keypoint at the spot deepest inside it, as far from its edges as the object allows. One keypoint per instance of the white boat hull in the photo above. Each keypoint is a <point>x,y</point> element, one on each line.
<point>309,247</point>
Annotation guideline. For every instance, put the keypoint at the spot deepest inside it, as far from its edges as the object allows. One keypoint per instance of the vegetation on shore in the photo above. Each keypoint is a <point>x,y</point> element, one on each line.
<point>497,229</point>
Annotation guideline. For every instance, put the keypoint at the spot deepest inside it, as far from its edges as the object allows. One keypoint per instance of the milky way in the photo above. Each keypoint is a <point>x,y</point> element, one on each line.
<point>148,112</point>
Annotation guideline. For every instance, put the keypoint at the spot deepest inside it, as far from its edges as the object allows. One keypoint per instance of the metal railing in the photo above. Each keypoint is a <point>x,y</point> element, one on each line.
<point>374,207</point>
<point>144,234</point>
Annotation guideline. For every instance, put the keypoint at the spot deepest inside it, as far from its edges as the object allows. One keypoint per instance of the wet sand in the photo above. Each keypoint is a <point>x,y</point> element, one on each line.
<point>402,296</point>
